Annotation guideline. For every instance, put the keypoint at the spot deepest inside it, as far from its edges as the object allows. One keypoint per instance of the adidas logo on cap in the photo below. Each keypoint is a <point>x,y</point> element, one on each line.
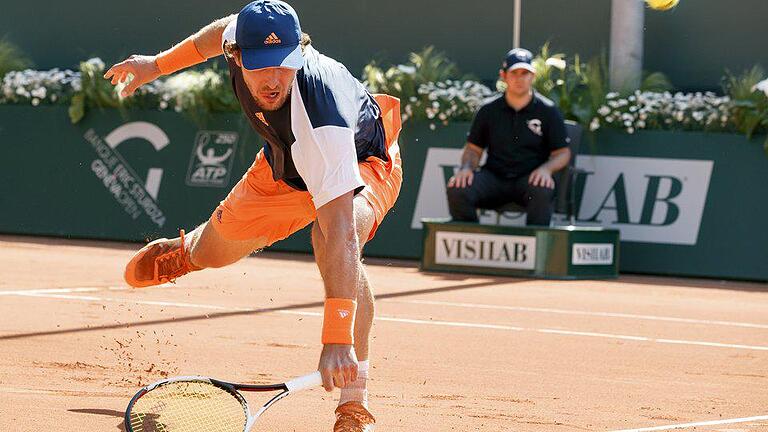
<point>272,39</point>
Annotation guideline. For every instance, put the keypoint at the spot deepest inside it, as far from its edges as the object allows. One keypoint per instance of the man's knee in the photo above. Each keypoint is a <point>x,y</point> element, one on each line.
<point>540,194</point>
<point>459,196</point>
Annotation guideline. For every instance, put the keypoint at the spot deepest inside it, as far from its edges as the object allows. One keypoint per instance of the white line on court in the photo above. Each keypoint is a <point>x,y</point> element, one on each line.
<point>692,425</point>
<point>49,291</point>
<point>30,391</point>
<point>396,319</point>
<point>453,304</point>
<point>585,313</point>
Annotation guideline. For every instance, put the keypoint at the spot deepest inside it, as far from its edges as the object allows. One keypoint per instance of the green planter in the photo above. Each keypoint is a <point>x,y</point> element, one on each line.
<point>686,203</point>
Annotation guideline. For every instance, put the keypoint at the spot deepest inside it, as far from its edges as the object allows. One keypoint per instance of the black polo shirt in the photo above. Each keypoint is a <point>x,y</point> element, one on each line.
<point>518,142</point>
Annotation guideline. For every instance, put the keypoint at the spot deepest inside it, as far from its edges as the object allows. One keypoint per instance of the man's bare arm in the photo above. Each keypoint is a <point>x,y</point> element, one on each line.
<point>340,270</point>
<point>558,159</point>
<point>208,39</point>
<point>542,176</point>
<point>145,69</point>
<point>470,160</point>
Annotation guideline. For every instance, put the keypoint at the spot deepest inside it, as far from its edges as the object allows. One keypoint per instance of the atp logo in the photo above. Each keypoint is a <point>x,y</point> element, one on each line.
<point>211,162</point>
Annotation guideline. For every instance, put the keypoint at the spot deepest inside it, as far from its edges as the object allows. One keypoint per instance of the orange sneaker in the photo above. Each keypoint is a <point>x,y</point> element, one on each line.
<point>353,417</point>
<point>158,262</point>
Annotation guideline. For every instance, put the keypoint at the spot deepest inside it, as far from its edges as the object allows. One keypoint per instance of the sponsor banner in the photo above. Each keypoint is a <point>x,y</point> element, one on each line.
<point>440,165</point>
<point>485,250</point>
<point>210,164</point>
<point>592,254</point>
<point>119,178</point>
<point>650,200</point>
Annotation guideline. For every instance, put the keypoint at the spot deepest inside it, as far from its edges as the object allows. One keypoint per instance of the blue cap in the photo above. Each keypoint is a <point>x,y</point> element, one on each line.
<point>269,35</point>
<point>519,58</point>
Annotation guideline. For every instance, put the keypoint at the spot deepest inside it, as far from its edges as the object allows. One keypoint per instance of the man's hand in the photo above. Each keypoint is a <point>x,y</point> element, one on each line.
<point>462,179</point>
<point>338,366</point>
<point>542,177</point>
<point>143,68</point>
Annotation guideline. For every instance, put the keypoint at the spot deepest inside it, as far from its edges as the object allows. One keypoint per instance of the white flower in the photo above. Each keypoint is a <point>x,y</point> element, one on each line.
<point>410,70</point>
<point>163,105</point>
<point>604,111</point>
<point>609,119</point>
<point>612,95</point>
<point>39,92</point>
<point>556,63</point>
<point>96,62</point>
<point>35,101</point>
<point>762,86</point>
<point>594,124</point>
<point>630,130</point>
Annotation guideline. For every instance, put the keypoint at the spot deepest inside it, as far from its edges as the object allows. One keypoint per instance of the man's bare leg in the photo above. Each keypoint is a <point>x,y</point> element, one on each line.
<point>164,260</point>
<point>208,249</point>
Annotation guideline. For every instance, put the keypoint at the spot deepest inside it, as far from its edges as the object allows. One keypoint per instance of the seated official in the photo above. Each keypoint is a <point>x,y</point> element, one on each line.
<point>524,134</point>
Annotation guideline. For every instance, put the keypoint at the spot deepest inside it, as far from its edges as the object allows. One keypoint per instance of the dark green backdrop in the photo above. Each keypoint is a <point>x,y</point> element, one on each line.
<point>693,43</point>
<point>48,186</point>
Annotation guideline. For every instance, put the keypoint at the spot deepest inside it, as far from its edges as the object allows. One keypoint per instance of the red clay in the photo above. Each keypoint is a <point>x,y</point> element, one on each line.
<point>528,356</point>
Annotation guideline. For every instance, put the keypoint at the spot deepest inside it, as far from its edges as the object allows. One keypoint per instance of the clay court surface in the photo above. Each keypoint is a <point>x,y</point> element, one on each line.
<point>451,352</point>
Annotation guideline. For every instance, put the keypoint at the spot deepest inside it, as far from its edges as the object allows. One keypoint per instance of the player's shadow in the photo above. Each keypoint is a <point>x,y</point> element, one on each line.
<point>208,316</point>
<point>103,412</point>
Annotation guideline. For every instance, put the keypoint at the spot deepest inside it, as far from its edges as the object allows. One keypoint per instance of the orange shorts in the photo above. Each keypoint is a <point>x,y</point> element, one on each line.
<point>259,207</point>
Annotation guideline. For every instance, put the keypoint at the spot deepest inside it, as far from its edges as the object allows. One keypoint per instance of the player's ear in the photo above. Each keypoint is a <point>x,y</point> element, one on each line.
<point>502,75</point>
<point>238,57</point>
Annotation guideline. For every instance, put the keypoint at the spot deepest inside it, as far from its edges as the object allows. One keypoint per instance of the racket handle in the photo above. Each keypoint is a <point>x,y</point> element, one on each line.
<point>307,381</point>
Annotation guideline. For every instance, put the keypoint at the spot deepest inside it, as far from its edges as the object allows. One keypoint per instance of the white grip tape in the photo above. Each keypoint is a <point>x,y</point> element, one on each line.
<point>305,382</point>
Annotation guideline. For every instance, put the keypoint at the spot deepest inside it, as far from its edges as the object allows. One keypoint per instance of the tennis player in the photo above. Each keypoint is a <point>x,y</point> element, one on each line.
<point>331,157</point>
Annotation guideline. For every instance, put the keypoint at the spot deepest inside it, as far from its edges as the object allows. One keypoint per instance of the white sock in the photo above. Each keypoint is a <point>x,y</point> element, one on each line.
<point>358,390</point>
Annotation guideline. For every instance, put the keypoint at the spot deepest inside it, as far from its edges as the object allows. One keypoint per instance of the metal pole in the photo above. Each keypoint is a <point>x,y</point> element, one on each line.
<point>626,62</point>
<point>516,34</point>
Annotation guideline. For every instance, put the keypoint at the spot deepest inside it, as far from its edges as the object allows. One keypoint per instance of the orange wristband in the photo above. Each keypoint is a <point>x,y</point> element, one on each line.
<point>339,321</point>
<point>181,56</point>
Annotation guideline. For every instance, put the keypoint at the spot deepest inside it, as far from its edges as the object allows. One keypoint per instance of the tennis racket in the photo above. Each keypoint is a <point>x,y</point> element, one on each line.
<point>201,404</point>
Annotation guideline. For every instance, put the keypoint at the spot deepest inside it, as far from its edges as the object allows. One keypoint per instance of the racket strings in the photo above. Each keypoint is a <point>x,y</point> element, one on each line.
<point>188,407</point>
